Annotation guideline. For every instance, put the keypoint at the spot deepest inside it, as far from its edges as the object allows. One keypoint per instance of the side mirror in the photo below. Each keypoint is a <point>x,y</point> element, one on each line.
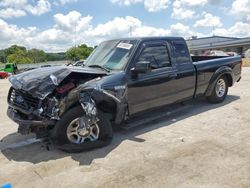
<point>142,67</point>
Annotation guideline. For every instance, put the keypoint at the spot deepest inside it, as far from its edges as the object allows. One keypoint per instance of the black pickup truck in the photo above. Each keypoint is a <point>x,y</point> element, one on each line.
<point>78,106</point>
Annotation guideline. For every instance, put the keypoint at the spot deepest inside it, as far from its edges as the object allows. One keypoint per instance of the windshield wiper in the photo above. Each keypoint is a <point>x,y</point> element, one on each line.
<point>102,67</point>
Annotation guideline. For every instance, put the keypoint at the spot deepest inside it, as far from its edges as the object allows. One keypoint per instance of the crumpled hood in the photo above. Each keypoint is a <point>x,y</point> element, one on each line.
<point>38,82</point>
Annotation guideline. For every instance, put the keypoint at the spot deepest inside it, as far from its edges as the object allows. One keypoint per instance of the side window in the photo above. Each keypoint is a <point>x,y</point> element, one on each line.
<point>181,51</point>
<point>157,55</point>
<point>7,66</point>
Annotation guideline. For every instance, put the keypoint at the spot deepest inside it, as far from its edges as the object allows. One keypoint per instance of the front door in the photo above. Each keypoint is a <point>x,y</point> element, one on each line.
<point>156,88</point>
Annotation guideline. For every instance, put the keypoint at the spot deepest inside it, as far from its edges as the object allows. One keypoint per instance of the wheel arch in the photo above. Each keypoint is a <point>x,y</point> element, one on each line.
<point>107,101</point>
<point>222,71</point>
<point>113,105</point>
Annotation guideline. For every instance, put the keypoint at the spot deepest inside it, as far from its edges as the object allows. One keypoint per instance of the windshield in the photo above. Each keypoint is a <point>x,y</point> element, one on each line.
<point>112,55</point>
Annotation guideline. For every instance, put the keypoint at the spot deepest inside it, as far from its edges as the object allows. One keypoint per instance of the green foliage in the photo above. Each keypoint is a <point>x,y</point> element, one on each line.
<point>13,49</point>
<point>19,54</point>
<point>2,56</point>
<point>56,56</point>
<point>37,56</point>
<point>79,52</point>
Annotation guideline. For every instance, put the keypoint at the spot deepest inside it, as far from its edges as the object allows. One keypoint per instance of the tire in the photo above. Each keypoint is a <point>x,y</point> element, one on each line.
<point>61,139</point>
<point>220,90</point>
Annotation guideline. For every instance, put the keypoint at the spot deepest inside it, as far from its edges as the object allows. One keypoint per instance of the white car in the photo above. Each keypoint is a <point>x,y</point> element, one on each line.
<point>247,53</point>
<point>232,53</point>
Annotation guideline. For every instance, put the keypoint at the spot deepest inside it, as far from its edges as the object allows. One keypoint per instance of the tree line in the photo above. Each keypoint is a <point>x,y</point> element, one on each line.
<point>20,55</point>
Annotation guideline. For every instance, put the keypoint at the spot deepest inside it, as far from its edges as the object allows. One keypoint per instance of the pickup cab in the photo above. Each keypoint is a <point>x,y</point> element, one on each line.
<point>10,68</point>
<point>77,107</point>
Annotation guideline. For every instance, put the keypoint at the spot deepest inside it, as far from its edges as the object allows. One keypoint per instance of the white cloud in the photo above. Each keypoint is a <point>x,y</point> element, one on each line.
<point>117,27</point>
<point>13,3</point>
<point>184,9</point>
<point>11,13</point>
<point>182,13</point>
<point>126,2</point>
<point>51,40</point>
<point>150,5</point>
<point>63,2</point>
<point>61,36</point>
<point>150,31</point>
<point>181,10</point>
<point>74,28</point>
<point>239,29</point>
<point>131,26</point>
<point>181,30</point>
<point>154,5</point>
<point>208,20</point>
<point>11,34</point>
<point>17,8</point>
<point>241,9</point>
<point>73,21</point>
<point>193,3</point>
<point>42,6</point>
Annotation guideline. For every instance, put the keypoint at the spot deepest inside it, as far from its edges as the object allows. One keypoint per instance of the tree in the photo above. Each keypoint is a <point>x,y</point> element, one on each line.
<point>19,56</point>
<point>2,56</point>
<point>13,49</point>
<point>37,56</point>
<point>79,52</point>
<point>56,56</point>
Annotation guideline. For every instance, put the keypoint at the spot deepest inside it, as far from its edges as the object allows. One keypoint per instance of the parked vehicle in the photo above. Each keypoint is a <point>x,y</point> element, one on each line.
<point>232,53</point>
<point>121,81</point>
<point>3,75</point>
<point>10,68</point>
<point>246,54</point>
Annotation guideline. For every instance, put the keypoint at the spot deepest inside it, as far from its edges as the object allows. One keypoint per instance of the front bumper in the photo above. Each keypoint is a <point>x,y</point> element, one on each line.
<point>16,117</point>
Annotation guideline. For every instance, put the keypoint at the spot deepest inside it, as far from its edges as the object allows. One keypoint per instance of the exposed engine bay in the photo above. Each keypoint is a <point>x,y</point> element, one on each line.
<point>38,107</point>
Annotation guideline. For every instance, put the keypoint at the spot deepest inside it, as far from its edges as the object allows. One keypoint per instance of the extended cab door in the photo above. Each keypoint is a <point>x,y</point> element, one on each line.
<point>161,86</point>
<point>149,90</point>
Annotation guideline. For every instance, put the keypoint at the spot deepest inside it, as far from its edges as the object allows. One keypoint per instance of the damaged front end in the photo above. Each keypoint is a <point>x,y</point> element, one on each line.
<point>27,111</point>
<point>37,103</point>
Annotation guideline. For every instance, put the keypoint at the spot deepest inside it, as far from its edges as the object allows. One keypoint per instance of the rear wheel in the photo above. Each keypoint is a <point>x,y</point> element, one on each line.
<point>74,133</point>
<point>220,90</point>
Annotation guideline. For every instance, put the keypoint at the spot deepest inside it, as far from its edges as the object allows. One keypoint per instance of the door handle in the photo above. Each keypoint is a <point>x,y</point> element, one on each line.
<point>172,75</point>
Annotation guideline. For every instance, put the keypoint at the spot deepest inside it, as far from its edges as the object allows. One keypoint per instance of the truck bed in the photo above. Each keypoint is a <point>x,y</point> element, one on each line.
<point>202,58</point>
<point>206,67</point>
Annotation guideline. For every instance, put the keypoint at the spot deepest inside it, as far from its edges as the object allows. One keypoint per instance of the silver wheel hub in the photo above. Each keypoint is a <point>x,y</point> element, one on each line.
<point>80,131</point>
<point>220,87</point>
<point>83,132</point>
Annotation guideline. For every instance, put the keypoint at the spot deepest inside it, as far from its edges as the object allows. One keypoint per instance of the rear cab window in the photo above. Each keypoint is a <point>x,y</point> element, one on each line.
<point>180,52</point>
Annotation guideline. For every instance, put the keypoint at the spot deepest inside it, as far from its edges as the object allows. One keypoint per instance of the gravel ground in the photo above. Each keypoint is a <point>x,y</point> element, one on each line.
<point>202,146</point>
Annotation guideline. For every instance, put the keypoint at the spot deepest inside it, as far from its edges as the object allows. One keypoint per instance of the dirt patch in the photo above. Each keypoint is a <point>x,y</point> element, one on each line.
<point>246,62</point>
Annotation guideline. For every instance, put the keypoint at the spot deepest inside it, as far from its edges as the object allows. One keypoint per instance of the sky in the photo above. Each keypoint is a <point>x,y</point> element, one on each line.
<point>57,25</point>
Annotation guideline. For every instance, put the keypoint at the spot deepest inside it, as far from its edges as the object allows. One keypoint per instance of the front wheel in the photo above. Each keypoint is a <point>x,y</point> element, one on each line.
<point>220,90</point>
<point>74,132</point>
